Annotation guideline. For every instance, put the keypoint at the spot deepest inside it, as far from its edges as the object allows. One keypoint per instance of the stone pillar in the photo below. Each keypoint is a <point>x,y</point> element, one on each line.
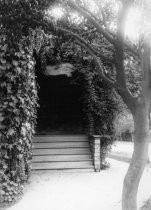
<point>96,151</point>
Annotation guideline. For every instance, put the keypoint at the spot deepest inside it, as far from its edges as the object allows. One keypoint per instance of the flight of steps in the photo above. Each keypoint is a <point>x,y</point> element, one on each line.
<point>62,152</point>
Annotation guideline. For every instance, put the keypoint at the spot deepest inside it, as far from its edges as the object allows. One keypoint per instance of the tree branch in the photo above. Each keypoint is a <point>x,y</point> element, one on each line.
<point>102,13</point>
<point>124,93</point>
<point>100,29</point>
<point>127,44</point>
<point>119,56</point>
<point>93,16</point>
<point>88,12</point>
<point>99,66</point>
<point>131,49</point>
<point>146,68</point>
<point>109,35</point>
<point>119,45</point>
<point>65,31</point>
<point>88,32</point>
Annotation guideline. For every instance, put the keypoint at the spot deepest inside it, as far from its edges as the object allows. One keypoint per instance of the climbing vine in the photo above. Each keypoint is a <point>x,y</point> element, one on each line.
<point>18,104</point>
<point>99,101</point>
<point>100,107</point>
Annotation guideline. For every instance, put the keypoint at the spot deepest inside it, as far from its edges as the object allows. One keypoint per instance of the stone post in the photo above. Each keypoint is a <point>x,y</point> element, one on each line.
<point>95,143</point>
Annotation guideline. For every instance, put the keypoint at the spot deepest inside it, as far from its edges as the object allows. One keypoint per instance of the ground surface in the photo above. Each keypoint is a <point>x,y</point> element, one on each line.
<point>82,191</point>
<point>123,150</point>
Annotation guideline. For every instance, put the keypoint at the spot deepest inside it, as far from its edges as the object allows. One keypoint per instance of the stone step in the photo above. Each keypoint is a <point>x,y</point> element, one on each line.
<point>60,138</point>
<point>62,165</point>
<point>58,144</point>
<point>66,170</point>
<point>62,151</point>
<point>61,158</point>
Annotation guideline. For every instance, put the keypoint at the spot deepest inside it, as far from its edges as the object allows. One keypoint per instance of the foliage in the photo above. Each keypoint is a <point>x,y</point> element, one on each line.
<point>9,189</point>
<point>18,101</point>
<point>18,16</point>
<point>20,36</point>
<point>99,103</point>
<point>123,124</point>
<point>133,75</point>
<point>101,109</point>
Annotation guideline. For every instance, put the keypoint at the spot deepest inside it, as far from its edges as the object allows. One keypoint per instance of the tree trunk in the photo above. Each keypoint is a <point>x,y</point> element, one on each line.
<point>139,159</point>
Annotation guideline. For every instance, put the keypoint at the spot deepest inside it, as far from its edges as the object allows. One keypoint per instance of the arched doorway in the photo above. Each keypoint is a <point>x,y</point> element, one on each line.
<point>61,108</point>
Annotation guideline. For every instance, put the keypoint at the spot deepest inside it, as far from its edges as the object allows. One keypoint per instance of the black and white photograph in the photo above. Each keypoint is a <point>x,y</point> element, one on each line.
<point>75,104</point>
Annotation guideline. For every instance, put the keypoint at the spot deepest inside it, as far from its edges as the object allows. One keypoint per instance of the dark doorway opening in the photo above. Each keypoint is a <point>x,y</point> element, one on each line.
<point>61,108</point>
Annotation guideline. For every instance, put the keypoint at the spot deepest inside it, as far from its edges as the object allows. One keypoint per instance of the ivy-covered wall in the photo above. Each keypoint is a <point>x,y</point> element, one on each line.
<point>18,101</point>
<point>20,35</point>
<point>100,107</point>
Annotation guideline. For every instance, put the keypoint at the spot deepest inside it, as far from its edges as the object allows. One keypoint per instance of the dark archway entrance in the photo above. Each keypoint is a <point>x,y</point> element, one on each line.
<point>60,110</point>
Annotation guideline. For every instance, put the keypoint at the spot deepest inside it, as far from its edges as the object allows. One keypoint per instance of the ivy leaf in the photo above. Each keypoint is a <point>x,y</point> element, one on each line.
<point>4,47</point>
<point>3,61</point>
<point>21,100</point>
<point>6,156</point>
<point>19,148</point>
<point>15,63</point>
<point>1,117</point>
<point>10,146</point>
<point>18,69</point>
<point>23,131</point>
<point>3,84</point>
<point>13,173</point>
<point>20,156</point>
<point>3,67</point>
<point>2,192</point>
<point>15,100</point>
<point>11,104</point>
<point>9,88</point>
<point>8,66</point>
<point>19,54</point>
<point>10,132</point>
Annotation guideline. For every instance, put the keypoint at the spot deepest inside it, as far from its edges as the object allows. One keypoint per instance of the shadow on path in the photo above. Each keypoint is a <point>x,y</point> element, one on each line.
<point>119,158</point>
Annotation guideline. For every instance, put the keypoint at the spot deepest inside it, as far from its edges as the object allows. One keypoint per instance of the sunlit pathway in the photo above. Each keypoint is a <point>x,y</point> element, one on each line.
<point>123,151</point>
<point>80,191</point>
